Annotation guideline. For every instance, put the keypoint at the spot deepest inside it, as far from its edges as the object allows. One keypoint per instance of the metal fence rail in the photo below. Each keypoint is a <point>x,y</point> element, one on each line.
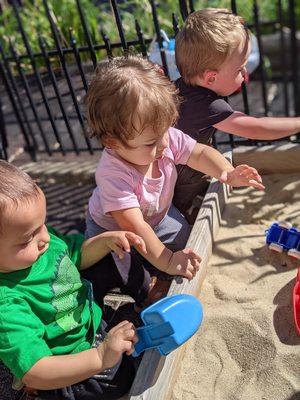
<point>46,104</point>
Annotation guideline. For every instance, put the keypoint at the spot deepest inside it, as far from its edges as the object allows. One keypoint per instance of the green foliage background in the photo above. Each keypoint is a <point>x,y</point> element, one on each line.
<point>66,15</point>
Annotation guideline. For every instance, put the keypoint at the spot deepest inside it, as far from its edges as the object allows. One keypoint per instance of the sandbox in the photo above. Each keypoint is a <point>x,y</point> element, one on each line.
<point>235,353</point>
<point>247,347</point>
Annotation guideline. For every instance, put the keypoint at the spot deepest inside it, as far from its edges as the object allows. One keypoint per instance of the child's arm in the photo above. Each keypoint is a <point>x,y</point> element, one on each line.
<point>264,128</point>
<point>209,161</point>
<point>184,262</point>
<point>55,372</point>
<point>97,247</point>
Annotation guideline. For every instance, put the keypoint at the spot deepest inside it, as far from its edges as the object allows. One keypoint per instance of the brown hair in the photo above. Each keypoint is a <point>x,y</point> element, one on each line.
<point>207,38</point>
<point>16,186</point>
<point>127,95</point>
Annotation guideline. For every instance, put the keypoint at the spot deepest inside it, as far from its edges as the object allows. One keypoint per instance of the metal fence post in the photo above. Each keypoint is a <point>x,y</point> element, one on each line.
<point>294,56</point>
<point>3,136</point>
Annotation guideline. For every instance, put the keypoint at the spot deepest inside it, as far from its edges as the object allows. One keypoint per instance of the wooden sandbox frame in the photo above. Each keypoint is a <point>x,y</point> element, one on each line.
<point>275,158</point>
<point>156,374</point>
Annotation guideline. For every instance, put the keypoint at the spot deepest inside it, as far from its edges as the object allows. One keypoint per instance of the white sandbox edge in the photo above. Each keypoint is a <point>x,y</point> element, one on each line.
<point>275,158</point>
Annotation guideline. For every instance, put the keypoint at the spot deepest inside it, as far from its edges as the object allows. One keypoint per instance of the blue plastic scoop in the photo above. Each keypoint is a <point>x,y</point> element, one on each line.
<point>169,323</point>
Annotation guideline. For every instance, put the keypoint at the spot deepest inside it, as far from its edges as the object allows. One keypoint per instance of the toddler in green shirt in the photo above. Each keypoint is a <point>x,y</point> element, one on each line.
<point>48,319</point>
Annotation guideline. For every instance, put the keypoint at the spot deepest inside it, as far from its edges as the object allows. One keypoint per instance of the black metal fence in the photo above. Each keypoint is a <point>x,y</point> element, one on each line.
<point>42,111</point>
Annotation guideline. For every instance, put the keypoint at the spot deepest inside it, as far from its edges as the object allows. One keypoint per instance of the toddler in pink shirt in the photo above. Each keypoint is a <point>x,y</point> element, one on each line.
<point>121,186</point>
<point>131,108</point>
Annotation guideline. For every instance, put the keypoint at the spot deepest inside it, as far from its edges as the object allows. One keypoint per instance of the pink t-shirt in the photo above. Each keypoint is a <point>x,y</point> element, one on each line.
<point>121,186</point>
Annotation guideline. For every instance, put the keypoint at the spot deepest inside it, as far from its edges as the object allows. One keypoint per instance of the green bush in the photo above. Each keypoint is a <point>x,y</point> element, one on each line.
<point>65,15</point>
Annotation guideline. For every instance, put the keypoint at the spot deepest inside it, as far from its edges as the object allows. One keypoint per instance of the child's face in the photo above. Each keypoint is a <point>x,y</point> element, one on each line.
<point>24,236</point>
<point>143,149</point>
<point>231,74</point>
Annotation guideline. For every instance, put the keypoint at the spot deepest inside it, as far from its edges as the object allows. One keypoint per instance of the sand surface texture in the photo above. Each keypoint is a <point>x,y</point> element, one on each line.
<point>247,347</point>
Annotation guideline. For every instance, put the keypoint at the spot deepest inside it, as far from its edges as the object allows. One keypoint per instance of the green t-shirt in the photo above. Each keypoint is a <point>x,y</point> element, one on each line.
<point>47,309</point>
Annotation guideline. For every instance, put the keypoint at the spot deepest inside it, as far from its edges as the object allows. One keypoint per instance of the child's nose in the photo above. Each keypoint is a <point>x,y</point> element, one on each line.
<point>44,238</point>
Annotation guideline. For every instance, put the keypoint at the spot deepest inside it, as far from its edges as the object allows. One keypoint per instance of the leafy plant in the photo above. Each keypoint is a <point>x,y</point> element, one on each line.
<point>100,16</point>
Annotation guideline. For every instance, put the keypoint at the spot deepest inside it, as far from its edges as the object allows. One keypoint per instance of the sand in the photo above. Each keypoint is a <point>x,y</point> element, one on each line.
<point>247,347</point>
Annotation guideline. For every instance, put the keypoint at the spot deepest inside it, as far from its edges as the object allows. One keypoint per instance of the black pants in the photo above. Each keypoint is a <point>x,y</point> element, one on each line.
<point>96,387</point>
<point>6,380</point>
<point>105,276</point>
<point>190,183</point>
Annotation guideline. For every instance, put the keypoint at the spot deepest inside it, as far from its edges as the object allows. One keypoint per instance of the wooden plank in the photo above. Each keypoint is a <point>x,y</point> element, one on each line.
<point>156,373</point>
<point>276,158</point>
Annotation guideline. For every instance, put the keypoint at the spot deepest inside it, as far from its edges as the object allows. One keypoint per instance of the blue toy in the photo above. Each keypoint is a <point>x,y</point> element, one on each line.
<point>169,323</point>
<point>284,237</point>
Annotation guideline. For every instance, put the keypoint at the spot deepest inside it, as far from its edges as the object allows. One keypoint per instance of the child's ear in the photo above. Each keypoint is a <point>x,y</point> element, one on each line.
<point>209,77</point>
<point>110,142</point>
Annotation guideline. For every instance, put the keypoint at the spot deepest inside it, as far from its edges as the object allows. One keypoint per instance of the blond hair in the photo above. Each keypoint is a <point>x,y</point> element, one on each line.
<point>208,37</point>
<point>16,186</point>
<point>126,96</point>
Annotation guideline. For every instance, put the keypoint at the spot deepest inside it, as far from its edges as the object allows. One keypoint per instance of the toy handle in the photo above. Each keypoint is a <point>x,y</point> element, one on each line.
<point>151,336</point>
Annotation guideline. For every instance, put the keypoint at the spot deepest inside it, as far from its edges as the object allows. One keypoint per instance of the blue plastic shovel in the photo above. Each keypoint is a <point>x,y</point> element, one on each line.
<point>169,323</point>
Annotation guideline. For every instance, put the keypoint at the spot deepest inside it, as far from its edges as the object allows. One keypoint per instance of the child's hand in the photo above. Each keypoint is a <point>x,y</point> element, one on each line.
<point>120,242</point>
<point>242,175</point>
<point>120,339</point>
<point>184,262</point>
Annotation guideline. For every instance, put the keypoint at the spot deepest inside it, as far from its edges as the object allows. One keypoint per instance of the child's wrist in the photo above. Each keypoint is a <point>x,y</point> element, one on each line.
<point>100,356</point>
<point>169,266</point>
<point>227,170</point>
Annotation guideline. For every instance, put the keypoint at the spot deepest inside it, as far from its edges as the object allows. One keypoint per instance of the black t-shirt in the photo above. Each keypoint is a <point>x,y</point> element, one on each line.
<point>201,109</point>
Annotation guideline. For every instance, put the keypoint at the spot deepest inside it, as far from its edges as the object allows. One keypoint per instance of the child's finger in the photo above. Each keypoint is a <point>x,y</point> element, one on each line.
<point>195,263</point>
<point>189,250</point>
<point>188,274</point>
<point>250,173</point>
<point>224,177</point>
<point>136,241</point>
<point>131,350</point>
<point>120,325</point>
<point>135,338</point>
<point>118,250</point>
<point>195,256</point>
<point>192,254</point>
<point>193,270</point>
<point>126,326</point>
<point>141,244</point>
<point>124,243</point>
<point>256,184</point>
<point>244,167</point>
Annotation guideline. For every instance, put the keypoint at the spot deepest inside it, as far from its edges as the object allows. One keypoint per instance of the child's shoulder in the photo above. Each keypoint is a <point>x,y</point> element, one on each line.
<point>9,297</point>
<point>60,242</point>
<point>195,92</point>
<point>180,145</point>
<point>176,135</point>
<point>111,165</point>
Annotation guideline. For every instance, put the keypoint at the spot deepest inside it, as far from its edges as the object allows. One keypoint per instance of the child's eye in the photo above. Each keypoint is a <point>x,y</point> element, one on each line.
<point>151,144</point>
<point>27,241</point>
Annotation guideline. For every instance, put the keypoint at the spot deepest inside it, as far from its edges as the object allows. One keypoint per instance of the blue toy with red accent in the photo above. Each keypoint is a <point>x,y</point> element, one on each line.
<point>282,236</point>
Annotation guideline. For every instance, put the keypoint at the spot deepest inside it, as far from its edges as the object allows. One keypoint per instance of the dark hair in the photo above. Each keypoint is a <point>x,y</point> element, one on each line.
<point>127,95</point>
<point>16,186</point>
